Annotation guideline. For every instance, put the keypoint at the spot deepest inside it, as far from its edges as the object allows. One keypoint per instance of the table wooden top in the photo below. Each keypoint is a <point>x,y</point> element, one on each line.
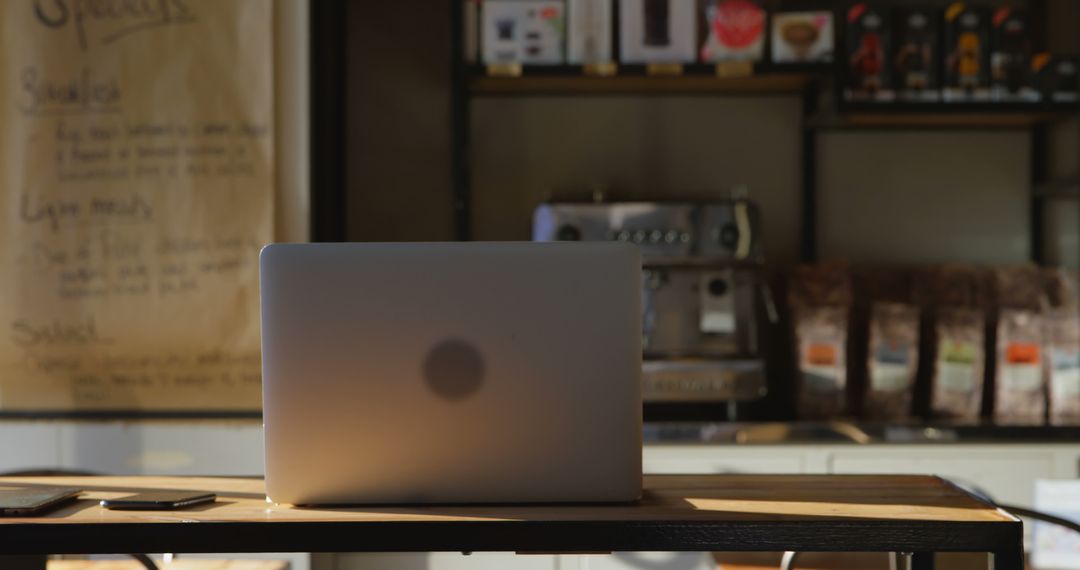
<point>676,512</point>
<point>182,564</point>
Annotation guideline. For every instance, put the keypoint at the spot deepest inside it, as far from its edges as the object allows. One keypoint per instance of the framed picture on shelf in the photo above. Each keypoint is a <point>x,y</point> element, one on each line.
<point>802,37</point>
<point>527,32</point>
<point>589,32</point>
<point>734,30</point>
<point>657,31</point>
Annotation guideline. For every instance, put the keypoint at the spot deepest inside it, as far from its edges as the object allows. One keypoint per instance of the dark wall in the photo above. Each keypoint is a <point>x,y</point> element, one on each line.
<point>398,174</point>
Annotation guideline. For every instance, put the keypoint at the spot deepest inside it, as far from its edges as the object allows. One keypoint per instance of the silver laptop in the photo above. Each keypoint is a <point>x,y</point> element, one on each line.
<point>451,372</point>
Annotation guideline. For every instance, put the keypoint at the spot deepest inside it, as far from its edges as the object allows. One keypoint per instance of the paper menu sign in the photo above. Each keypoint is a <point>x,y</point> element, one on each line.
<point>136,187</point>
<point>1056,546</point>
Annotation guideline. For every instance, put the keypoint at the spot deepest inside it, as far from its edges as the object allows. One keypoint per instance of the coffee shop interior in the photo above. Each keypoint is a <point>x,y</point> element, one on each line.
<point>859,227</point>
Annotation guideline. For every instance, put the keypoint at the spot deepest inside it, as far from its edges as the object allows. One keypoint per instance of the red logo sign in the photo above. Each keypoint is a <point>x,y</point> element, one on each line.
<point>738,23</point>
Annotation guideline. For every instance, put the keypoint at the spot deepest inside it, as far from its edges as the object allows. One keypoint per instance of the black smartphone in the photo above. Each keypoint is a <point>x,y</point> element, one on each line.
<point>159,500</point>
<point>33,500</point>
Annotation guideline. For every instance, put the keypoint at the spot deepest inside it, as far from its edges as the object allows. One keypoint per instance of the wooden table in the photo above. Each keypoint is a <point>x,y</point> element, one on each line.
<point>173,565</point>
<point>915,514</point>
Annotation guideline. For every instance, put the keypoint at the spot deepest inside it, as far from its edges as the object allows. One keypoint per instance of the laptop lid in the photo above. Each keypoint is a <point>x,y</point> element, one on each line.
<point>451,372</point>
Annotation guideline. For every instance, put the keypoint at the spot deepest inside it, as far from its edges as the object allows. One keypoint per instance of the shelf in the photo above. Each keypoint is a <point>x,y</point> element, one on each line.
<point>762,78</point>
<point>939,114</point>
<point>935,120</point>
<point>637,84</point>
<point>696,80</point>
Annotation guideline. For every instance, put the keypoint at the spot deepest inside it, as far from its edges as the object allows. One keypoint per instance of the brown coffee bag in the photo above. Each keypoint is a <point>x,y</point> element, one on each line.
<point>1063,365</point>
<point>1020,377</point>
<point>824,284</point>
<point>821,341</point>
<point>1019,287</point>
<point>957,382</point>
<point>892,361</point>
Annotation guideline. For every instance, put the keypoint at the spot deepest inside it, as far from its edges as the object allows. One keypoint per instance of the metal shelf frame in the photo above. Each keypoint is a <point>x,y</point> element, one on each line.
<point>807,81</point>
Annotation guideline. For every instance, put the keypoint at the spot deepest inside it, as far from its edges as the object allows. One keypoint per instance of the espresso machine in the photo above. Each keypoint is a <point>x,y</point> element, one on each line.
<point>702,291</point>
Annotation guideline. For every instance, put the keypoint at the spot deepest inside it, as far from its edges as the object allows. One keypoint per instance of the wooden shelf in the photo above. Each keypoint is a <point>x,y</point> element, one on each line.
<point>637,84</point>
<point>937,120</point>
<point>893,116</point>
<point>943,115</point>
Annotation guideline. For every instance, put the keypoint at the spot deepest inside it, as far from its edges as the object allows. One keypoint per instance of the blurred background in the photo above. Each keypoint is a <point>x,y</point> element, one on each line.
<point>860,224</point>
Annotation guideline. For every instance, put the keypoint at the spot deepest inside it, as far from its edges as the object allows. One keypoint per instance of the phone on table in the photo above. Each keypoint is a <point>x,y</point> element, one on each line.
<point>34,500</point>
<point>159,500</point>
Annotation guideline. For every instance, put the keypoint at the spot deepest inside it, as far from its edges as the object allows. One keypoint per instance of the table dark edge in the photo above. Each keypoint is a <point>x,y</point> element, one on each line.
<point>509,536</point>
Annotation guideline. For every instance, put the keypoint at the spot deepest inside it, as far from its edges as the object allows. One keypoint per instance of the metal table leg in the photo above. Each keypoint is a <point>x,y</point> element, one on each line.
<point>922,561</point>
<point>1012,559</point>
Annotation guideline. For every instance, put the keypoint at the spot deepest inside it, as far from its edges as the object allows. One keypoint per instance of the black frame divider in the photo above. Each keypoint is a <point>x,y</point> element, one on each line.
<point>1038,12</point>
<point>329,105</point>
<point>459,123</point>
<point>1036,213</point>
<point>808,232</point>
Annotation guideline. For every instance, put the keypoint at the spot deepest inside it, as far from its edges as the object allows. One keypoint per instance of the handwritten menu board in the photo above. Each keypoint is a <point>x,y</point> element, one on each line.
<point>136,188</point>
